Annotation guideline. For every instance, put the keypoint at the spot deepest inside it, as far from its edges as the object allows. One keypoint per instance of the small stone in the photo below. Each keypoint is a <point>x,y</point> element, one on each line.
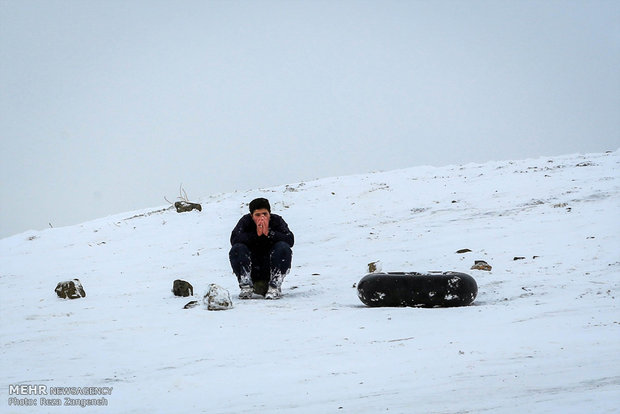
<point>191,304</point>
<point>518,258</point>
<point>184,206</point>
<point>374,267</point>
<point>461,251</point>
<point>217,298</point>
<point>481,265</point>
<point>70,289</point>
<point>182,288</point>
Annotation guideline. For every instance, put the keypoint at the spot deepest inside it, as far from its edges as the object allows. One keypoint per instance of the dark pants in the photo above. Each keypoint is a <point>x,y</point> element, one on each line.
<point>269,267</point>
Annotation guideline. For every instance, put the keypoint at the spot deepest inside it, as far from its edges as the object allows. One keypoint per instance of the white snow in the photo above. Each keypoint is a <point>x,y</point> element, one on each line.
<point>543,335</point>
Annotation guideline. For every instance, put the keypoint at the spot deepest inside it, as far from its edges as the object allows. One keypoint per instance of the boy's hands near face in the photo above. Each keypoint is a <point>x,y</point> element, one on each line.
<point>261,218</point>
<point>262,226</point>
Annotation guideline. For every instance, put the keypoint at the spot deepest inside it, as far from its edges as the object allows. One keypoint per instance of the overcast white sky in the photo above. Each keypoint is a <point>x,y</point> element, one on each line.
<point>108,106</point>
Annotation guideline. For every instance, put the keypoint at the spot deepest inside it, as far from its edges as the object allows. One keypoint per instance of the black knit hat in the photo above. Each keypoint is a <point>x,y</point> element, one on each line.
<point>259,203</point>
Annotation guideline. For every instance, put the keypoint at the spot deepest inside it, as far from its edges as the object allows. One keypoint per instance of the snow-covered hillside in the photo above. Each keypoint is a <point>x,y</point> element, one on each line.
<point>542,336</point>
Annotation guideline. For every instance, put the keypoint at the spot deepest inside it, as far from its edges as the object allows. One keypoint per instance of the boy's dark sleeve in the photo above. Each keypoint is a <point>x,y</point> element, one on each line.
<point>244,232</point>
<point>279,231</point>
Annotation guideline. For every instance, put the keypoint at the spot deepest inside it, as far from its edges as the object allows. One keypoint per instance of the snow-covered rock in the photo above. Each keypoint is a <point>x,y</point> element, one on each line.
<point>70,289</point>
<point>217,298</point>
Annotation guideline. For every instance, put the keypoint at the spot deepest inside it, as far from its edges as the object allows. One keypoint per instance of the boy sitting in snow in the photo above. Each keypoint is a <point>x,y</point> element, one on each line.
<point>261,251</point>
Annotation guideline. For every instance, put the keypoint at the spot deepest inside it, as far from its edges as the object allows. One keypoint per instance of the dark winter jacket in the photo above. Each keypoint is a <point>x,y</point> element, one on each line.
<point>245,232</point>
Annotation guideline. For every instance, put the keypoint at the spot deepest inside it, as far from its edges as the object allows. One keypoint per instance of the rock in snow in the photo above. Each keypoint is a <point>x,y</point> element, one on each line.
<point>70,289</point>
<point>185,206</point>
<point>217,298</point>
<point>182,288</point>
<point>481,265</point>
<point>191,304</point>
